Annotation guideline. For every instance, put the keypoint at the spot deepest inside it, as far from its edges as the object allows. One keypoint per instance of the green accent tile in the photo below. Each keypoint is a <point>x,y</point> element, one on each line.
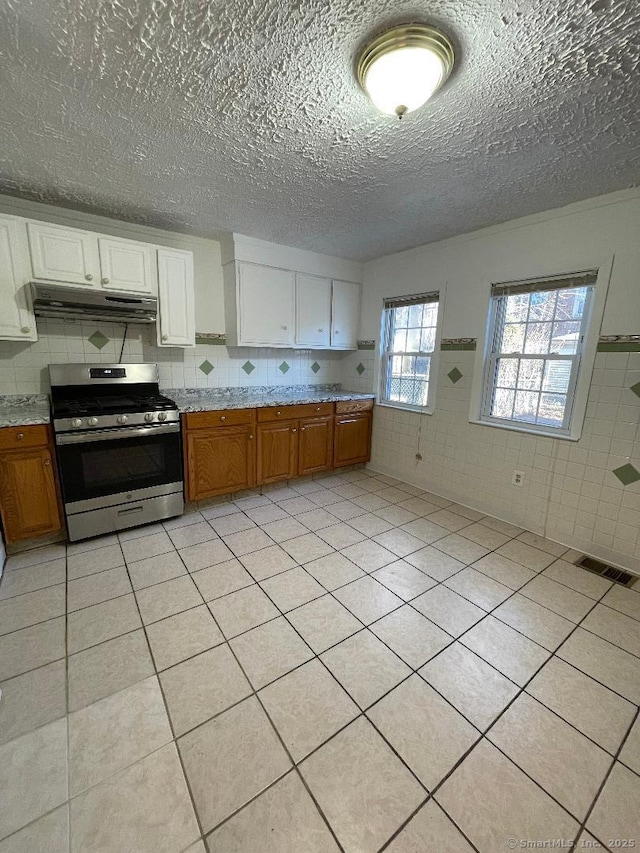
<point>636,389</point>
<point>248,367</point>
<point>452,346</point>
<point>454,375</point>
<point>206,367</point>
<point>284,367</point>
<point>627,474</point>
<point>315,367</point>
<point>619,346</point>
<point>360,368</point>
<point>211,340</point>
<point>98,339</point>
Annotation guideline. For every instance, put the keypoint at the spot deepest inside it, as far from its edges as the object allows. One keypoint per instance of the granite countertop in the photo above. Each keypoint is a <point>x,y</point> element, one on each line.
<point>208,399</point>
<point>24,410</point>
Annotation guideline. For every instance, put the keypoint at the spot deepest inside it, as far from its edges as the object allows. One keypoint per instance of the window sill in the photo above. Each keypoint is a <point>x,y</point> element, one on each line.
<point>416,410</point>
<point>544,433</point>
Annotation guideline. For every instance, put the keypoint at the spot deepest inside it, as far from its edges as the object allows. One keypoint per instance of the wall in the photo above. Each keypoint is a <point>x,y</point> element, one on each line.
<point>209,364</point>
<point>570,493</point>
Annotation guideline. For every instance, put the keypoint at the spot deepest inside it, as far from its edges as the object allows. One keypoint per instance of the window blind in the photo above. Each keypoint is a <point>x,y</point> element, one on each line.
<point>406,301</point>
<point>512,288</point>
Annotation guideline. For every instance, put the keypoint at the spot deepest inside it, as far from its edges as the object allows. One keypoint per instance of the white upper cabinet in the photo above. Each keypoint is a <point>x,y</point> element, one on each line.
<point>176,315</point>
<point>265,299</point>
<point>63,254</point>
<point>17,322</point>
<point>313,311</point>
<point>125,265</point>
<point>345,314</point>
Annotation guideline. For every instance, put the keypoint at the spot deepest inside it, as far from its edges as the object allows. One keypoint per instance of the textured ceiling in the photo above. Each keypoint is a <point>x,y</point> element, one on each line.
<point>232,115</point>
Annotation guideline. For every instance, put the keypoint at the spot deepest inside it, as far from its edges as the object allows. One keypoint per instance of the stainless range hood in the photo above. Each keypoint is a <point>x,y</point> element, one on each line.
<point>84,304</point>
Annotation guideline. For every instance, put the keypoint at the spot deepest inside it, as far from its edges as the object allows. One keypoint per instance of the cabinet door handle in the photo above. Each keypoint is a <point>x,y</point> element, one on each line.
<point>250,437</point>
<point>105,281</point>
<point>47,462</point>
<point>165,337</point>
<point>336,331</point>
<point>25,330</point>
<point>321,330</point>
<point>89,277</point>
<point>294,430</point>
<point>284,328</point>
<point>302,429</point>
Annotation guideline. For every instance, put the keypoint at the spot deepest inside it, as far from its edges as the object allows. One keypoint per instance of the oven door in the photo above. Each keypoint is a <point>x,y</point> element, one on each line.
<point>102,468</point>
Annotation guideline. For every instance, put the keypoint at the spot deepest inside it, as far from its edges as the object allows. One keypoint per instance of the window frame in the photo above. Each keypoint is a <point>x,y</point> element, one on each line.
<point>603,267</point>
<point>386,355</point>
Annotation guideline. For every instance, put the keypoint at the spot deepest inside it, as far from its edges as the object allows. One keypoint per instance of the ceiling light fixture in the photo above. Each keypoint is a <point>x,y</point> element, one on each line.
<point>401,68</point>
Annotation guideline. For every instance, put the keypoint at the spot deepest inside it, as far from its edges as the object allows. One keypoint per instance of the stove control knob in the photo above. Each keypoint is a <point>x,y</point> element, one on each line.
<point>76,422</point>
<point>93,422</point>
<point>162,416</point>
<point>122,419</point>
<point>149,417</point>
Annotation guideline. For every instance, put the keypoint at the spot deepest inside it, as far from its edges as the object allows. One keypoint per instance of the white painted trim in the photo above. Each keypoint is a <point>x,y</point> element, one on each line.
<point>587,361</point>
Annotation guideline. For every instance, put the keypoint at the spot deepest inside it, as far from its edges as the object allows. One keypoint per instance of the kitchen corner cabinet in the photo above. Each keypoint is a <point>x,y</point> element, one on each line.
<point>176,325</point>
<point>219,451</point>
<point>352,434</point>
<point>17,322</point>
<point>272,307</point>
<point>29,503</point>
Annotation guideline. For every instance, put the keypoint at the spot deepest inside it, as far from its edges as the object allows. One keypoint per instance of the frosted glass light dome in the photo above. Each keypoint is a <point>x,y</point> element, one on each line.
<point>403,67</point>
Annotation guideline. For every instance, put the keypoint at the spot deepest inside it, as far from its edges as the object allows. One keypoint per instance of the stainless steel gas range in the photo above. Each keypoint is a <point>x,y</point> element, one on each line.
<point>118,447</point>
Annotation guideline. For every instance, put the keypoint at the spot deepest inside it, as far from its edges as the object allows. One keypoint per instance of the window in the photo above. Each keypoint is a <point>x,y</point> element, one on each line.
<point>409,326</point>
<point>536,335</point>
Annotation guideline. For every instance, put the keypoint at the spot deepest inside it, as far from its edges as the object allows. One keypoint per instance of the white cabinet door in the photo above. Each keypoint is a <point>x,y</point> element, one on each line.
<point>176,317</point>
<point>345,314</point>
<point>266,298</point>
<point>127,266</point>
<point>63,254</point>
<point>17,322</point>
<point>313,310</point>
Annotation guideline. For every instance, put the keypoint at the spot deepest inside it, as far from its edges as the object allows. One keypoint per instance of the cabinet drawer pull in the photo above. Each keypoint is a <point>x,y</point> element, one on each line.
<point>317,408</point>
<point>302,429</point>
<point>223,418</point>
<point>89,277</point>
<point>20,436</point>
<point>278,413</point>
<point>294,430</point>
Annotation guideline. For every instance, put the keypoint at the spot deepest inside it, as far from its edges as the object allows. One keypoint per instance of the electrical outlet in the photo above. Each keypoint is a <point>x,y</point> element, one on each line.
<point>517,478</point>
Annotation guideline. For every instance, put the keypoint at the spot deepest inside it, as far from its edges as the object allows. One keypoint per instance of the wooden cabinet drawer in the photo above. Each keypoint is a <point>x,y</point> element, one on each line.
<point>348,406</point>
<point>220,417</point>
<point>24,436</point>
<point>300,410</point>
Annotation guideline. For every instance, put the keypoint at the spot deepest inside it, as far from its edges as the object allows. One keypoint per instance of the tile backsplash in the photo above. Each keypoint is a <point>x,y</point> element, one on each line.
<point>23,366</point>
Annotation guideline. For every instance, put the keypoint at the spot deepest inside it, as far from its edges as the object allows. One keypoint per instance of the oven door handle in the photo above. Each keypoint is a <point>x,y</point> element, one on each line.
<point>115,434</point>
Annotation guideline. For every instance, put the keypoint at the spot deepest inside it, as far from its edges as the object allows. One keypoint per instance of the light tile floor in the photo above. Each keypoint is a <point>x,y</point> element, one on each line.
<point>341,664</point>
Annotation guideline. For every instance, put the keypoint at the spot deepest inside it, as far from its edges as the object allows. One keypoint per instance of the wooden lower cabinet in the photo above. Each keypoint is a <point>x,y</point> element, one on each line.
<point>352,439</point>
<point>29,502</point>
<point>229,451</point>
<point>219,460</point>
<point>277,451</point>
<point>315,448</point>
